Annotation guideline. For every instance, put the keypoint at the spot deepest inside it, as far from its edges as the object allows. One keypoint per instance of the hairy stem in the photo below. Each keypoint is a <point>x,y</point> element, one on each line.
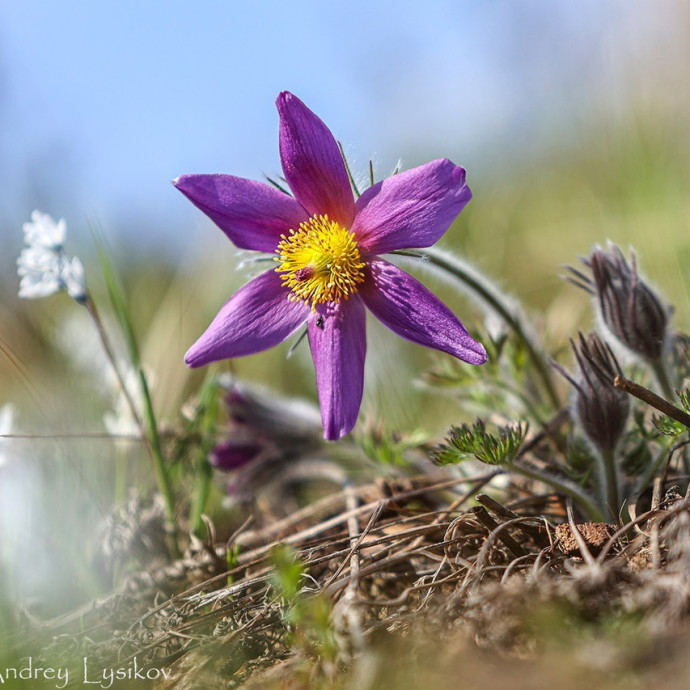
<point>492,297</point>
<point>608,458</point>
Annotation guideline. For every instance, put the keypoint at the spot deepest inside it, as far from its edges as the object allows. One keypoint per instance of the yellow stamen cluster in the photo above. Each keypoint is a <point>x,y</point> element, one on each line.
<point>320,262</point>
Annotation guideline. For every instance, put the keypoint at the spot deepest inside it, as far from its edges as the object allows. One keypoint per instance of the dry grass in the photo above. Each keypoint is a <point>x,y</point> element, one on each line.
<point>415,595</point>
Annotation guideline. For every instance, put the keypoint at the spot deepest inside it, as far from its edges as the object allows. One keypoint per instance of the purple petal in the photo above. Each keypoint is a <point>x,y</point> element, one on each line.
<point>312,163</point>
<point>252,214</point>
<point>404,305</point>
<point>256,317</point>
<point>231,455</point>
<point>338,346</point>
<point>411,209</point>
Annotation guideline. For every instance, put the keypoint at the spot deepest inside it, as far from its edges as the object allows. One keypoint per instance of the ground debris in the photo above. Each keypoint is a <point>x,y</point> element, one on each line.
<point>594,534</point>
<point>395,574</point>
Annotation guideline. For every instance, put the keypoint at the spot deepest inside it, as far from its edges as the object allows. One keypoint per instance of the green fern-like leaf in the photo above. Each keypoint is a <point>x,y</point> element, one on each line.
<point>684,399</point>
<point>467,441</point>
<point>667,426</point>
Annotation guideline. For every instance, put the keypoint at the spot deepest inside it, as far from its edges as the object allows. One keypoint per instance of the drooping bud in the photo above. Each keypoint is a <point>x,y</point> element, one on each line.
<point>600,409</point>
<point>232,455</point>
<point>631,310</point>
<point>266,435</point>
<point>292,425</point>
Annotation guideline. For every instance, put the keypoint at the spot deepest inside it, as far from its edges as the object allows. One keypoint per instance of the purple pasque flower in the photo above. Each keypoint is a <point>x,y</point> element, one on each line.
<point>327,245</point>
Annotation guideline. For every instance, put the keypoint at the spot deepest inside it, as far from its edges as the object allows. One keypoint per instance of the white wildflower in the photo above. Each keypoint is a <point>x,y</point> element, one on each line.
<point>74,279</point>
<point>6,427</point>
<point>43,231</point>
<point>43,267</point>
<point>39,270</point>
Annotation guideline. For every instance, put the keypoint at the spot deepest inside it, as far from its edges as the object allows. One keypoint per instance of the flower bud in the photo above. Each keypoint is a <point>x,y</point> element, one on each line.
<point>600,409</point>
<point>289,423</point>
<point>266,433</point>
<point>631,310</point>
<point>231,455</point>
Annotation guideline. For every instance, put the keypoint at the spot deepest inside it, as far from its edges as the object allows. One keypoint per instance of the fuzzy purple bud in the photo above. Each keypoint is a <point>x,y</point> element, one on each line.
<point>290,424</point>
<point>630,309</point>
<point>231,455</point>
<point>266,434</point>
<point>600,408</point>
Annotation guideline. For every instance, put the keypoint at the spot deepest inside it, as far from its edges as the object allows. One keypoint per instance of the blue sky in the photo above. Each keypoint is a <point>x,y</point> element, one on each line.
<point>103,102</point>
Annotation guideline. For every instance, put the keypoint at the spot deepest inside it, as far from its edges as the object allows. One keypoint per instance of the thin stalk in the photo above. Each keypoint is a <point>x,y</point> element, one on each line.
<point>153,445</point>
<point>200,494</point>
<point>208,401</point>
<point>159,467</point>
<point>149,431</point>
<point>564,486</point>
<point>490,296</point>
<point>297,343</point>
<point>608,458</point>
<point>110,354</point>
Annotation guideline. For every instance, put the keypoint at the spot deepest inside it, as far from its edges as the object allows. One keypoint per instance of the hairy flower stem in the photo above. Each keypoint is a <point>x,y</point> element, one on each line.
<point>563,486</point>
<point>608,460</point>
<point>149,431</point>
<point>492,297</point>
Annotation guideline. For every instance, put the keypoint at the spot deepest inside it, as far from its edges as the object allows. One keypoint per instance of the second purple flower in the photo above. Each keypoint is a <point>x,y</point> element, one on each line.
<point>327,247</point>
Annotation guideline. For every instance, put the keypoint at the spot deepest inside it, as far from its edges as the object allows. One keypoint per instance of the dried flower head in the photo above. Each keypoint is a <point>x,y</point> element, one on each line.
<point>631,310</point>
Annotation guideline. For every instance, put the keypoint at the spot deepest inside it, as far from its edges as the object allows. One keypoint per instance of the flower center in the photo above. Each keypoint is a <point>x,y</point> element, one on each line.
<point>320,262</point>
